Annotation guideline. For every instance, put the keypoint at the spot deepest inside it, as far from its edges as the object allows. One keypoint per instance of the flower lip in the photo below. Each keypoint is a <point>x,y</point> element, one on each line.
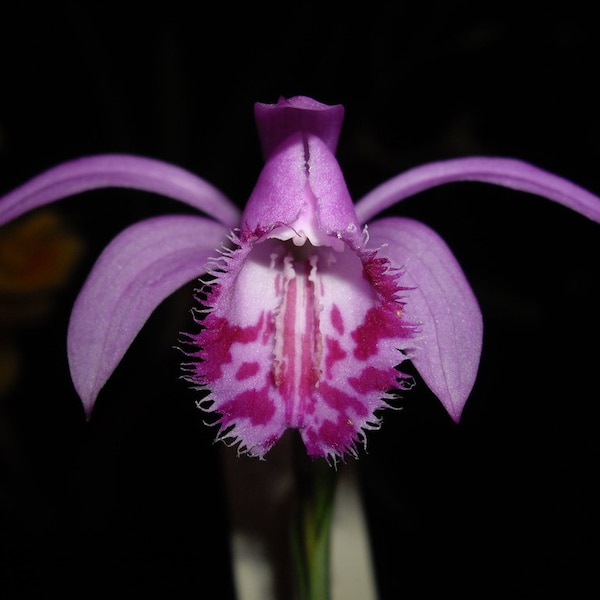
<point>299,337</point>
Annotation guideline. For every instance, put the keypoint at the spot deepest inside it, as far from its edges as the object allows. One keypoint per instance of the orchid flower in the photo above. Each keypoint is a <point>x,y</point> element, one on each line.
<point>310,306</point>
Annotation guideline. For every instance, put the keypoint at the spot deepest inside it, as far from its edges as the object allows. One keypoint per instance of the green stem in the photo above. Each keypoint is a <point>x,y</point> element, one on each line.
<point>311,528</point>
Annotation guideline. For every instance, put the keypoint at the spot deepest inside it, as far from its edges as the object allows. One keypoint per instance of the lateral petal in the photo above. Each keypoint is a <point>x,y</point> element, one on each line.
<point>442,302</point>
<point>118,170</point>
<point>141,267</point>
<point>507,172</point>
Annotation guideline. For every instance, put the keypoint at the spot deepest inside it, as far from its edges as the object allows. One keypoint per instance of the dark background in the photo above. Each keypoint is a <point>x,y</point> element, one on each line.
<point>499,506</point>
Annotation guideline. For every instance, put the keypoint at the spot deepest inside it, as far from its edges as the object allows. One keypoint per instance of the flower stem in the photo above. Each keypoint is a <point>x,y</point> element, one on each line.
<point>311,527</point>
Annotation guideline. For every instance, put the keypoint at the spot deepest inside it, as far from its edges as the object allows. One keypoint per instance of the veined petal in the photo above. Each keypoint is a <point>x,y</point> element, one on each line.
<point>507,172</point>
<point>141,267</point>
<point>300,337</point>
<point>118,170</point>
<point>442,302</point>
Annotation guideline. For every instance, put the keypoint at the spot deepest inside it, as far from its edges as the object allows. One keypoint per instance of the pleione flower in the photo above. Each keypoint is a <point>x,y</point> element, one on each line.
<point>308,306</point>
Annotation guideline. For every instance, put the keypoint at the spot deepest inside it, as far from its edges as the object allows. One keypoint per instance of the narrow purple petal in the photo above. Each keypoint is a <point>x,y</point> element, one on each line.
<point>118,170</point>
<point>276,122</point>
<point>141,267</point>
<point>449,348</point>
<point>507,172</point>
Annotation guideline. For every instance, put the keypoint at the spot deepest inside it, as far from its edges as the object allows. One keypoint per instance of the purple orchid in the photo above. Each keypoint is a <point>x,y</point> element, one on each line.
<point>308,311</point>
